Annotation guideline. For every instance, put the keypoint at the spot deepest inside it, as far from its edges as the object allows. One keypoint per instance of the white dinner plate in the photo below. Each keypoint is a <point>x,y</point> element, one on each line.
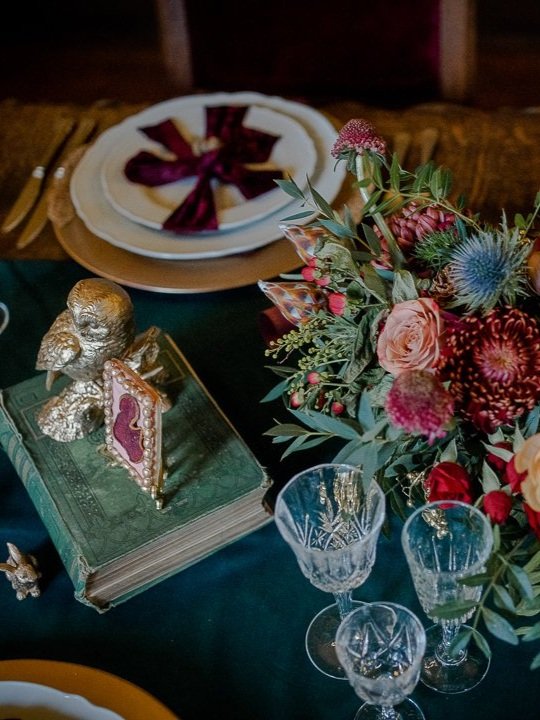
<point>104,221</point>
<point>30,701</point>
<point>293,153</point>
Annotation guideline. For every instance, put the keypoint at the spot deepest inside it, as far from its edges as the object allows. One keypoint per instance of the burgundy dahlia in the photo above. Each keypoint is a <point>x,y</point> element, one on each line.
<point>493,365</point>
<point>418,403</point>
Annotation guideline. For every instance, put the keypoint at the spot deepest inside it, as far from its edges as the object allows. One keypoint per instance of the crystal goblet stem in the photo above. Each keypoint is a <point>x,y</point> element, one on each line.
<point>446,542</point>
<point>332,523</point>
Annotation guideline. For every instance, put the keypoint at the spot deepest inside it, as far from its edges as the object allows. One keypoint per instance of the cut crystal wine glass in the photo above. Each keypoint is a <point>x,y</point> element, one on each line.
<point>381,646</point>
<point>444,543</point>
<point>332,523</point>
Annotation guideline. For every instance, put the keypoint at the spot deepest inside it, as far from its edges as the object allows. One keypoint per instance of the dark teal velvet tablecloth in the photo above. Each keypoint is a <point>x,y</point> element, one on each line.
<point>224,638</point>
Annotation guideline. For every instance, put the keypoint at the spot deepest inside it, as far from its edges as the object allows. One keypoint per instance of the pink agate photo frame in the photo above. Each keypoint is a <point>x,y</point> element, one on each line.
<point>133,425</point>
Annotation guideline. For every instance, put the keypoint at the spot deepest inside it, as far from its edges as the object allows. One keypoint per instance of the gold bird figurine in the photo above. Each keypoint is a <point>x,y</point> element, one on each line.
<point>97,325</point>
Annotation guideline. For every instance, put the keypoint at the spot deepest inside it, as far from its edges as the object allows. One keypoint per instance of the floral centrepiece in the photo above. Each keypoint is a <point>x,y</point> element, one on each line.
<point>422,355</point>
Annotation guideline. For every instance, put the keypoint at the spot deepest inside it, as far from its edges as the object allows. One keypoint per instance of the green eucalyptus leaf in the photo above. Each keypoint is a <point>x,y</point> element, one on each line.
<point>298,216</point>
<point>286,430</point>
<point>535,664</point>
<point>276,392</point>
<point>337,228</point>
<point>502,453</point>
<point>452,610</point>
<point>404,287</point>
<point>324,423</point>
<point>481,643</point>
<point>475,580</point>
<point>503,599</point>
<point>291,188</point>
<point>490,480</point>
<point>499,626</point>
<point>302,443</point>
<point>320,202</point>
<point>460,642</point>
<point>450,453</point>
<point>372,239</point>
<point>531,633</point>
<point>520,580</point>
<point>374,283</point>
<point>365,413</point>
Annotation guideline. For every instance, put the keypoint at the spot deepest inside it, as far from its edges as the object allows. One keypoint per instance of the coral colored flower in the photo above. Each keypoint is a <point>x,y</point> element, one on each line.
<point>410,339</point>
<point>357,136</point>
<point>418,403</point>
<point>534,519</point>
<point>337,302</point>
<point>449,481</point>
<point>308,273</point>
<point>497,505</point>
<point>313,378</point>
<point>493,364</point>
<point>337,407</point>
<point>527,461</point>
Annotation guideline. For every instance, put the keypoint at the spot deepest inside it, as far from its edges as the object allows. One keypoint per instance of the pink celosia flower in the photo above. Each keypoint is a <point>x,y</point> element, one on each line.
<point>357,136</point>
<point>419,403</point>
<point>410,339</point>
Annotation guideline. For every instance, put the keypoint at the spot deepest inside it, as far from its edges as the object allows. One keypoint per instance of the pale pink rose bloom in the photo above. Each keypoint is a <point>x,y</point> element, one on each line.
<point>527,459</point>
<point>410,339</point>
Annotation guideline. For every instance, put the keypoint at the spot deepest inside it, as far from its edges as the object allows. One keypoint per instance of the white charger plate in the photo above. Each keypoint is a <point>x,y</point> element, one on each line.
<point>30,701</point>
<point>104,221</point>
<point>293,153</point>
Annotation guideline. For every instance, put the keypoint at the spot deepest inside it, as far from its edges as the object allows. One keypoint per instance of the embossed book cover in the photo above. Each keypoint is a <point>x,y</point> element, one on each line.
<point>112,539</point>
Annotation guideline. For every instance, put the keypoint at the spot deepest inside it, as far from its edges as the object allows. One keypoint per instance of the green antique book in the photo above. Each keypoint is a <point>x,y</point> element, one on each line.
<point>112,539</point>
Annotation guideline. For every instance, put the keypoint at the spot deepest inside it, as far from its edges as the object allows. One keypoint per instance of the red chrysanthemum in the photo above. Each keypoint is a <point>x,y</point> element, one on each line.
<point>418,403</point>
<point>357,136</point>
<point>493,365</point>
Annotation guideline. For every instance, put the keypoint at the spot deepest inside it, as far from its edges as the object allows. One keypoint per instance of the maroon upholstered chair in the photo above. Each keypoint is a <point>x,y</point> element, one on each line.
<point>383,51</point>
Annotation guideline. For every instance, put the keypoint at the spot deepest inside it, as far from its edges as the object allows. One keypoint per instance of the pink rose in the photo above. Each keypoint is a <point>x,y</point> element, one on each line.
<point>497,505</point>
<point>410,339</point>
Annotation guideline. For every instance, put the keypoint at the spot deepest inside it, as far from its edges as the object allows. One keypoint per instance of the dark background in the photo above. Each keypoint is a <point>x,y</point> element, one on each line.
<point>88,50</point>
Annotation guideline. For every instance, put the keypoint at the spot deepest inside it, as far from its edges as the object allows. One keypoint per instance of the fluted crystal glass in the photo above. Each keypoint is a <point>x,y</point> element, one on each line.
<point>381,646</point>
<point>332,523</point>
<point>444,543</point>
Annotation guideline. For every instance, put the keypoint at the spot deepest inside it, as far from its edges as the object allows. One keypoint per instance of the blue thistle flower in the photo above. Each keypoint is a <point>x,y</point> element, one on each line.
<point>488,268</point>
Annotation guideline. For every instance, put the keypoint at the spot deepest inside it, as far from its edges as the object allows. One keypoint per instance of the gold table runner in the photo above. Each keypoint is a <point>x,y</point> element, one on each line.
<point>494,156</point>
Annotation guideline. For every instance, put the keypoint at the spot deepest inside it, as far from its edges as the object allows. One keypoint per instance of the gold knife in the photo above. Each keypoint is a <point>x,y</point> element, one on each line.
<point>39,217</point>
<point>29,193</point>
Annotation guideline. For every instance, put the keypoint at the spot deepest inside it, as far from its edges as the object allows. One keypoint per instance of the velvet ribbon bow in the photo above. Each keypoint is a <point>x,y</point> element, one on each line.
<point>223,156</point>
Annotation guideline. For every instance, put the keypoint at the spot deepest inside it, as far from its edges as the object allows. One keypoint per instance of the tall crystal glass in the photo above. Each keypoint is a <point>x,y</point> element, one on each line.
<point>444,543</point>
<point>332,523</point>
<point>381,646</point>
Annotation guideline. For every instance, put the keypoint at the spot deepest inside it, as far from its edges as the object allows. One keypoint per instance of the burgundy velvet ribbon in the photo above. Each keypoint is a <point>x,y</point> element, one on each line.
<point>226,163</point>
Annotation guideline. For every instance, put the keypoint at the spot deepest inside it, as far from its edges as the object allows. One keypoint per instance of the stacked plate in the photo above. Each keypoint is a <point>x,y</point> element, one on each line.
<point>122,235</point>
